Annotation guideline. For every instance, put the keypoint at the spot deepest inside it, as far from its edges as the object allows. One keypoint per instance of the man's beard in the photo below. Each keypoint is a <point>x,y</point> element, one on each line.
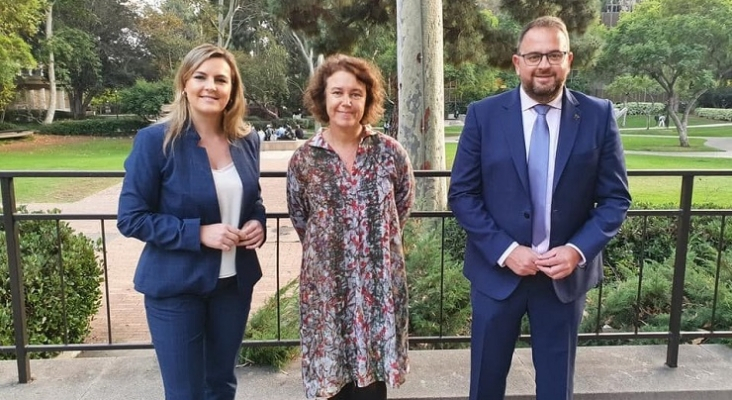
<point>544,93</point>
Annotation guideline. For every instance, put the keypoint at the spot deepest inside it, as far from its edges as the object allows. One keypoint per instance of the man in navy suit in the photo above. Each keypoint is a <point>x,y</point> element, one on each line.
<point>535,253</point>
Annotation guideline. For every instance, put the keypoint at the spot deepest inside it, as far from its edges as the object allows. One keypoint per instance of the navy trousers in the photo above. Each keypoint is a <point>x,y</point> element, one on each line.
<point>197,340</point>
<point>496,326</point>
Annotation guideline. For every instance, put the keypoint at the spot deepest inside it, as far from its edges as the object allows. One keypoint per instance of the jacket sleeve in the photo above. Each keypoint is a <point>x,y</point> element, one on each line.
<point>466,193</point>
<point>139,214</point>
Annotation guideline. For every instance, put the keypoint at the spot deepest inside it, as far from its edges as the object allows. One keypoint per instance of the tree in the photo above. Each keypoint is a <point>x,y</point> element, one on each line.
<point>18,19</point>
<point>627,85</point>
<point>51,108</point>
<point>265,77</point>
<point>684,46</point>
<point>106,30</point>
<point>80,68</point>
<point>170,31</point>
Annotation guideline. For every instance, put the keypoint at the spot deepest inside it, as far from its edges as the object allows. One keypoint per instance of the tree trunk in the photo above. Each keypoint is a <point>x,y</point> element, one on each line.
<point>673,113</point>
<point>421,107</point>
<point>51,109</point>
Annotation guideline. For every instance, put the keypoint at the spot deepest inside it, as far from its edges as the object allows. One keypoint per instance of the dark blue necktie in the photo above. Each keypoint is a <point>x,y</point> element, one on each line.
<point>538,170</point>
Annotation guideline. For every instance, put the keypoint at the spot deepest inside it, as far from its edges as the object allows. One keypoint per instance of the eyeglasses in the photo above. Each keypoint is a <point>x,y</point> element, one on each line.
<point>554,57</point>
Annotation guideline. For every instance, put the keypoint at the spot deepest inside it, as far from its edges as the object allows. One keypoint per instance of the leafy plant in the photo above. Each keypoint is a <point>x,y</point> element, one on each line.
<point>62,276</point>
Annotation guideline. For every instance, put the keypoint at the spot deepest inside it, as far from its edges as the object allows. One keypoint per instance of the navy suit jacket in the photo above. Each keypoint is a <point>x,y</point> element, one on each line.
<point>489,189</point>
<point>164,201</point>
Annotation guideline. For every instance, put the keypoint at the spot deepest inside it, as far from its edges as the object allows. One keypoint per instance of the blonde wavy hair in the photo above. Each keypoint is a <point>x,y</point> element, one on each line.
<point>232,121</point>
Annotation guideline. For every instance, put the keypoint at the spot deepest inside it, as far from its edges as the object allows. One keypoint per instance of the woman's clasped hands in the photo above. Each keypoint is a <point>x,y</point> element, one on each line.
<point>225,237</point>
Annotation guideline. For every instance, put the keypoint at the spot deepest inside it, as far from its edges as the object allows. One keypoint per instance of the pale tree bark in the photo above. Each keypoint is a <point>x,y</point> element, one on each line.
<point>51,109</point>
<point>421,94</point>
<point>307,53</point>
<point>225,22</point>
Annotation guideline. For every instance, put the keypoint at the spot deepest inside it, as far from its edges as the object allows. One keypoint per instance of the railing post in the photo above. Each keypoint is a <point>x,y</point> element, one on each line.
<point>17,294</point>
<point>677,291</point>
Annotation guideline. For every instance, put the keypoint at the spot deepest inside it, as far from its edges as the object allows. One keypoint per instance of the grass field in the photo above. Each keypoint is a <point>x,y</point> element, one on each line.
<point>57,153</point>
<point>86,153</point>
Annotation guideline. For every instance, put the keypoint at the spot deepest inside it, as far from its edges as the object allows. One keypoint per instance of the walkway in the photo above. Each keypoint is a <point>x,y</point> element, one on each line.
<point>603,373</point>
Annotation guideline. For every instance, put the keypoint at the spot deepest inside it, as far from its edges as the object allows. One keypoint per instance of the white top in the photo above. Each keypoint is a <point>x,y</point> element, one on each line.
<point>229,192</point>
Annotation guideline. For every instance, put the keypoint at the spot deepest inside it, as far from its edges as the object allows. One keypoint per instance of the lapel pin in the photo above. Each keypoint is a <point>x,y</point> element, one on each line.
<point>576,116</point>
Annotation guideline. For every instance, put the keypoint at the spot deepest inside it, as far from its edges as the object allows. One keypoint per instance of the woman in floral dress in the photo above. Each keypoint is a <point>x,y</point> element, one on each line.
<point>349,192</point>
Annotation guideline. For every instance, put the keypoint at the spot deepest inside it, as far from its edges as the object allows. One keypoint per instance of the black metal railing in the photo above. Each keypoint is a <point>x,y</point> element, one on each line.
<point>673,336</point>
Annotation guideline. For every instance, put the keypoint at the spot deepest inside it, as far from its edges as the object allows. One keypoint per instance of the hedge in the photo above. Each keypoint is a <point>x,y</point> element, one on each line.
<point>101,126</point>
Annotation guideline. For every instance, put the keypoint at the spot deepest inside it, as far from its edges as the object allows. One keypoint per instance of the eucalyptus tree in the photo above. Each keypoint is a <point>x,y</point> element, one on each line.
<point>684,46</point>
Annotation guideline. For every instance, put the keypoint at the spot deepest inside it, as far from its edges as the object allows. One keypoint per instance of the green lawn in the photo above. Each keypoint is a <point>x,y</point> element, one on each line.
<point>640,121</point>
<point>85,154</point>
<point>109,154</point>
<point>662,190</point>
<point>636,124</point>
<point>663,144</point>
<point>706,131</point>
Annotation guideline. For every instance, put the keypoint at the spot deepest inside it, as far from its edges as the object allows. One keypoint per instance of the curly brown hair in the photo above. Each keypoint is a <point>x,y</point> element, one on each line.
<point>364,71</point>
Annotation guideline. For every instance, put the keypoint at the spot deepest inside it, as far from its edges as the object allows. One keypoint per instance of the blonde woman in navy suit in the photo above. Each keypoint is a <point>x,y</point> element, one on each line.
<point>191,193</point>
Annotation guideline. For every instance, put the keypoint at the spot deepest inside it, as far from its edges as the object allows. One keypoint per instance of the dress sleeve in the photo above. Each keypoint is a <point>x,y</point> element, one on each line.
<point>297,202</point>
<point>404,186</point>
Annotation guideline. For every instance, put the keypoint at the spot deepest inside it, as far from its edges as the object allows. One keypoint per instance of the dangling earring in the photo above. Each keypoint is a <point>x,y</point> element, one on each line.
<point>184,94</point>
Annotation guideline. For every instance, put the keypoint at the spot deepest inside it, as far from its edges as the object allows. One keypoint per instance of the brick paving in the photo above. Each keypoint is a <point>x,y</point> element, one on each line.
<point>125,306</point>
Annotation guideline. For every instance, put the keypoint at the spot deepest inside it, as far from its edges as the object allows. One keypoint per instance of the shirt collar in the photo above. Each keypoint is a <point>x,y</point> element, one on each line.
<point>527,102</point>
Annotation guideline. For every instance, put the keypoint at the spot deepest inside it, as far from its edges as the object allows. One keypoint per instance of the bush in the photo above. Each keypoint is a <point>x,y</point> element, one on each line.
<point>102,126</point>
<point>262,325</point>
<point>146,99</point>
<point>62,276</point>
<point>6,126</point>
<point>424,258</point>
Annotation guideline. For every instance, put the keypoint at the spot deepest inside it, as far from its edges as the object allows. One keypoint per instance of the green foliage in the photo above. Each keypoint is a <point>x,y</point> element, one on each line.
<point>62,277</point>
<point>425,269</point>
<point>6,126</point>
<point>146,99</point>
<point>107,126</point>
<point>263,326</point>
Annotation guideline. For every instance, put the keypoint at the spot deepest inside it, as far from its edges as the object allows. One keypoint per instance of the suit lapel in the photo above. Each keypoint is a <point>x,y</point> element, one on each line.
<point>514,133</point>
<point>568,129</point>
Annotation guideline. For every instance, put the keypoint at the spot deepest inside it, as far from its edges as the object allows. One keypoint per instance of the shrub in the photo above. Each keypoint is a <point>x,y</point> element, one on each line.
<point>6,126</point>
<point>146,99</point>
<point>103,126</point>
<point>262,325</point>
<point>62,276</point>
<point>424,259</point>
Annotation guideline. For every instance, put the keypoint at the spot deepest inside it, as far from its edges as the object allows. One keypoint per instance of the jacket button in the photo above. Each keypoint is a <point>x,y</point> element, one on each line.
<point>527,215</point>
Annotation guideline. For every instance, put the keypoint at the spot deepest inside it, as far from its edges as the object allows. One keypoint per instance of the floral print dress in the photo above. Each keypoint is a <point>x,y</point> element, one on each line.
<point>353,286</point>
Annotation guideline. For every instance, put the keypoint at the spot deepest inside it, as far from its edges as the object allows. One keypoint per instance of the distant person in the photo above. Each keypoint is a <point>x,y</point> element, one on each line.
<point>280,133</point>
<point>540,186</point>
<point>299,133</point>
<point>661,121</point>
<point>349,192</point>
<point>191,193</point>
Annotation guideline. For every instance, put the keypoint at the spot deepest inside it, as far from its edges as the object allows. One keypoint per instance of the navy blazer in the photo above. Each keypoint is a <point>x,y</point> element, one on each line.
<point>165,200</point>
<point>489,189</point>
